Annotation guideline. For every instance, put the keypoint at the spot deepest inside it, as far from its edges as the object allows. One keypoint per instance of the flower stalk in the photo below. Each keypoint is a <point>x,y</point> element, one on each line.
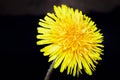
<point>49,72</point>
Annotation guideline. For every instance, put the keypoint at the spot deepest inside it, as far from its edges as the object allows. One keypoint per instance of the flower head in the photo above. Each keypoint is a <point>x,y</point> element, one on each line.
<point>73,38</point>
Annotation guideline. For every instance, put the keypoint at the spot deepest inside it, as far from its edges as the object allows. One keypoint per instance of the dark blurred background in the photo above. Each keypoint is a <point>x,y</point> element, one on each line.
<point>20,58</point>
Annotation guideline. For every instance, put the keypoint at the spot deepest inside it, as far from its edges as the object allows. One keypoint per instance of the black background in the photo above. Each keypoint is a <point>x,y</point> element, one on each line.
<point>20,57</point>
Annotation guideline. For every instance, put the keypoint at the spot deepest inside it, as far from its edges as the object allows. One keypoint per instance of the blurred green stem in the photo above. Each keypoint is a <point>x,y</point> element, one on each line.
<point>47,77</point>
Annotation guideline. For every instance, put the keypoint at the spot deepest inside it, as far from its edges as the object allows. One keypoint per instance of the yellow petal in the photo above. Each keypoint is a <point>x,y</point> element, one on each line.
<point>75,71</point>
<point>42,42</point>
<point>45,49</point>
<point>86,67</point>
<point>43,30</point>
<point>42,37</point>
<point>65,62</point>
<point>45,25</point>
<point>89,62</point>
<point>59,59</point>
<point>52,58</point>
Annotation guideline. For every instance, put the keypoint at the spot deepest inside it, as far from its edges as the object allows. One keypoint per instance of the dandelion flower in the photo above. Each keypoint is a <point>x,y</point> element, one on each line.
<point>74,41</point>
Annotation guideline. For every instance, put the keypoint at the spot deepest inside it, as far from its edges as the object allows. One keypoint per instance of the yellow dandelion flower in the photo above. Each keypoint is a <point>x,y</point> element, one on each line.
<point>73,38</point>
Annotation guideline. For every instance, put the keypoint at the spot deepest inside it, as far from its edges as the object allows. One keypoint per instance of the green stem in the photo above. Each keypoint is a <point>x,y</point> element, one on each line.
<point>47,77</point>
